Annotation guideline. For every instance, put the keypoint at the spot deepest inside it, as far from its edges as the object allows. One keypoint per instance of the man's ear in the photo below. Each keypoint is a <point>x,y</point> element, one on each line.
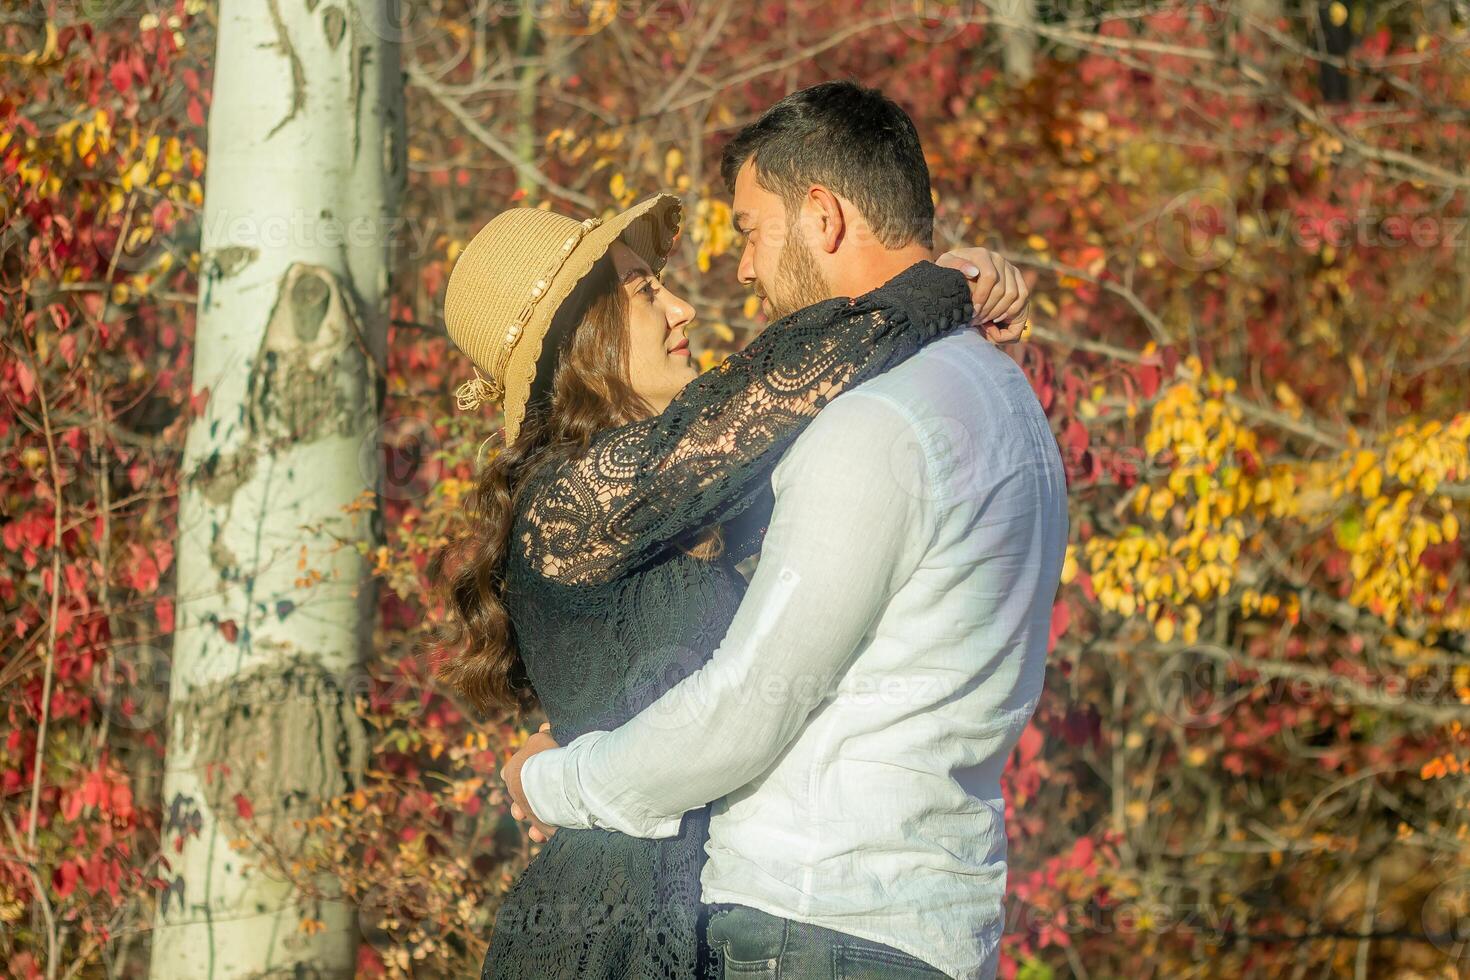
<point>829,223</point>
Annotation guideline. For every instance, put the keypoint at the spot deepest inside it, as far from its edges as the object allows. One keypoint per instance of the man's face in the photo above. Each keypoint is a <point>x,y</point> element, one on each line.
<point>775,261</point>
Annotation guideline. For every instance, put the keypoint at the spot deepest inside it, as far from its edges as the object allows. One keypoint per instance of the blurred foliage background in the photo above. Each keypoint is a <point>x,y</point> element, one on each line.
<point>1244,226</point>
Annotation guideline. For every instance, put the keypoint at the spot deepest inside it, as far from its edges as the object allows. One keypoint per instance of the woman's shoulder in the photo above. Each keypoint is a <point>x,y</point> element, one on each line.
<point>556,541</point>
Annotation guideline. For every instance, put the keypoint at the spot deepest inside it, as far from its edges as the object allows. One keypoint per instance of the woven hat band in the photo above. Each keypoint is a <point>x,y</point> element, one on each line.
<point>517,327</point>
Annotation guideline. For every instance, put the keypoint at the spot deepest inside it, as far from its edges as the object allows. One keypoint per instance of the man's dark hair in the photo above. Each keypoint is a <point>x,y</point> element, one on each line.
<point>853,140</point>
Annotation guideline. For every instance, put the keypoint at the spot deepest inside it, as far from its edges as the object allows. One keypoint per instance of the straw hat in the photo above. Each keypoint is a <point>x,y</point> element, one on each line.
<point>510,280</point>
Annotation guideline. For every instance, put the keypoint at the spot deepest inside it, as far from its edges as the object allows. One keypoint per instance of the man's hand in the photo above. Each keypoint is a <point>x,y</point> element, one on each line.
<point>998,292</point>
<point>520,808</point>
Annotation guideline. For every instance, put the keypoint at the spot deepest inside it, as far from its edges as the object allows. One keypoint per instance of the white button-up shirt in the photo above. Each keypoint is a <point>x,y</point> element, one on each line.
<point>854,722</point>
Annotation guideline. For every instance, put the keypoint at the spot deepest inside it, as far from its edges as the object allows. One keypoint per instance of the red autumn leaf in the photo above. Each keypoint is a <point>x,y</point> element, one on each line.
<point>60,315</point>
<point>198,400</point>
<point>1083,852</point>
<point>26,379</point>
<point>196,112</point>
<point>121,802</point>
<point>243,807</point>
<point>121,76</point>
<point>1375,45</point>
<point>1061,618</point>
<point>1075,438</point>
<point>1045,393</point>
<point>163,553</point>
<point>64,879</point>
<point>1149,377</point>
<point>143,571</point>
<point>163,611</point>
<point>1170,355</point>
<point>1028,746</point>
<point>23,966</point>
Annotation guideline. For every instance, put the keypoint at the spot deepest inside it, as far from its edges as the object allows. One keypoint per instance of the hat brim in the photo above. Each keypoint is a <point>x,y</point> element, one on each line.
<point>648,227</point>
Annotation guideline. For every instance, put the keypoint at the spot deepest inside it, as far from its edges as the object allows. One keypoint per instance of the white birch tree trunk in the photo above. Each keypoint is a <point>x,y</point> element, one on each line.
<point>275,606</point>
<point>1018,38</point>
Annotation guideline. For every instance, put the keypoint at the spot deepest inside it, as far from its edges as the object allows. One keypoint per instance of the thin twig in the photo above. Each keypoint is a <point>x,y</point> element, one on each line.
<point>525,168</point>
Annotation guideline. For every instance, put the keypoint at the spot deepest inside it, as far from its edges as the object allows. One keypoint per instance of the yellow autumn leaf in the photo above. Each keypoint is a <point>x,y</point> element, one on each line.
<point>1069,565</point>
<point>1287,397</point>
<point>1372,483</point>
<point>1164,629</point>
<point>136,176</point>
<point>1360,376</point>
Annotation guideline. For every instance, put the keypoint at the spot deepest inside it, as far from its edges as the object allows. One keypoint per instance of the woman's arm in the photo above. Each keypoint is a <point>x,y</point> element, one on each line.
<point>641,486</point>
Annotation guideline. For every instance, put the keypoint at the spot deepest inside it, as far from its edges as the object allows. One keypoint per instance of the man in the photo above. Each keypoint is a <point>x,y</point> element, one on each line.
<point>853,724</point>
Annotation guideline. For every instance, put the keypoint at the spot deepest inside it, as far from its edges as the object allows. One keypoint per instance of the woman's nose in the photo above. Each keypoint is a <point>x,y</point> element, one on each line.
<point>680,314</point>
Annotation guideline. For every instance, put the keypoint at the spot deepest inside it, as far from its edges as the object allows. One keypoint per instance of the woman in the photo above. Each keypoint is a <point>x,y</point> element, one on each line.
<point>600,568</point>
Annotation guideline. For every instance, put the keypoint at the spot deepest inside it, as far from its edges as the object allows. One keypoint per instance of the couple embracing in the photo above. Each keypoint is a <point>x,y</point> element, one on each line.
<point>798,776</point>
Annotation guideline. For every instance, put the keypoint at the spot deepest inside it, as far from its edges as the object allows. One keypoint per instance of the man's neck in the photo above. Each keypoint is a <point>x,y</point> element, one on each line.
<point>876,267</point>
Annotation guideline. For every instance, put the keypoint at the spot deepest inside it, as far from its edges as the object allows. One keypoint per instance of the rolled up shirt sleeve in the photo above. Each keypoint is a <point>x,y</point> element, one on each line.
<point>847,529</point>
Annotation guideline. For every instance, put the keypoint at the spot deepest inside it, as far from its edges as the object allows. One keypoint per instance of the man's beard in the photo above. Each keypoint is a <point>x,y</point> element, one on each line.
<point>799,282</point>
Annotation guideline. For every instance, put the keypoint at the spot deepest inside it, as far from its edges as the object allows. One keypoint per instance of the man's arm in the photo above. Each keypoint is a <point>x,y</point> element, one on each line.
<point>847,529</point>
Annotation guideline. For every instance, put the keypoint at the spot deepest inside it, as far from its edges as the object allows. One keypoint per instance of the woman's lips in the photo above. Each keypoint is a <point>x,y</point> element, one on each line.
<point>682,347</point>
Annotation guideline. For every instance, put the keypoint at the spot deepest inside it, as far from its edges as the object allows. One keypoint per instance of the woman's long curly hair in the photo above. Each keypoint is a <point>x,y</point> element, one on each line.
<point>585,392</point>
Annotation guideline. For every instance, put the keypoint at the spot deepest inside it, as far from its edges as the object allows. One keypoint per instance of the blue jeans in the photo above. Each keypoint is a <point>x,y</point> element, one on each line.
<point>756,945</point>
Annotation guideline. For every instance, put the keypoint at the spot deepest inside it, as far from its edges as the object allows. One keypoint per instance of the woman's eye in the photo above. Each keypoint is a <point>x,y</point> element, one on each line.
<point>648,289</point>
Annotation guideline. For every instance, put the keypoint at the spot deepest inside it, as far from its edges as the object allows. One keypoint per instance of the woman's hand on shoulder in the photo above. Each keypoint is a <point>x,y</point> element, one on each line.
<point>997,291</point>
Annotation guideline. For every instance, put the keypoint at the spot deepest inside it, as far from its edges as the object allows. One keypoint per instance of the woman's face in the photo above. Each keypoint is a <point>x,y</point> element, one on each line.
<point>659,364</point>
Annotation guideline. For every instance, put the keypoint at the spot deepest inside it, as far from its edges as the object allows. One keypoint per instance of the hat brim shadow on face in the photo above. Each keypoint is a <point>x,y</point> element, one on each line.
<point>564,323</point>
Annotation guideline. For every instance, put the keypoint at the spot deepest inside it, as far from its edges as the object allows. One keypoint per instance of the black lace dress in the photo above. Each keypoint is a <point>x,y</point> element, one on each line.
<point>610,611</point>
